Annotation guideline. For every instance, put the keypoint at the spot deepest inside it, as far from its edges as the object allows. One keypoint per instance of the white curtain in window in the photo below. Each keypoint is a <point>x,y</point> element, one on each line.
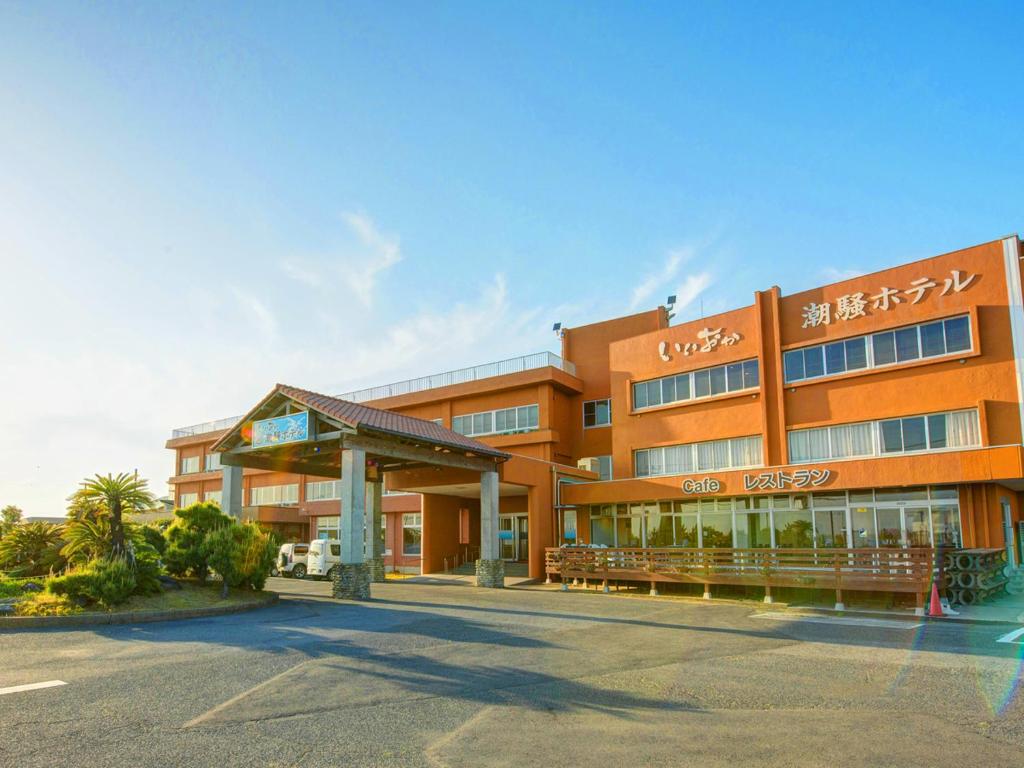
<point>962,429</point>
<point>817,444</point>
<point>656,457</point>
<point>746,451</point>
<point>721,449</point>
<point>852,440</point>
<point>798,451</point>
<point>672,463</point>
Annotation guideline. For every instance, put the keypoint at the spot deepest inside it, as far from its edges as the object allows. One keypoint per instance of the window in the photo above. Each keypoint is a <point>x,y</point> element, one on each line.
<point>212,462</point>
<point>323,490</point>
<point>710,456</point>
<point>188,499</point>
<point>189,464</point>
<point>505,421</point>
<point>934,432</point>
<point>734,377</point>
<point>412,533</point>
<point>274,495</point>
<point>327,527</point>
<point>903,345</point>
<point>214,496</point>
<point>605,467</point>
<point>597,413</point>
<point>929,516</point>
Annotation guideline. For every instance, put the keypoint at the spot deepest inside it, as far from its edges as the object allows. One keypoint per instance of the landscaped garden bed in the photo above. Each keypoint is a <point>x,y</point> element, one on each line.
<point>100,568</point>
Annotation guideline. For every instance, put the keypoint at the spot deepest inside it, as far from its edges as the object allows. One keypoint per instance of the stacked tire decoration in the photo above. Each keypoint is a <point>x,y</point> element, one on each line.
<point>973,575</point>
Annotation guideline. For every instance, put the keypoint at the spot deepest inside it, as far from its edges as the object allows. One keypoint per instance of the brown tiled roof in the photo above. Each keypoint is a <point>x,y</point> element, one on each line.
<point>364,417</point>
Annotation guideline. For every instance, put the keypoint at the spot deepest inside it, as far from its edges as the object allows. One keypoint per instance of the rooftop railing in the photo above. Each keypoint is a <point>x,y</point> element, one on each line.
<point>409,386</point>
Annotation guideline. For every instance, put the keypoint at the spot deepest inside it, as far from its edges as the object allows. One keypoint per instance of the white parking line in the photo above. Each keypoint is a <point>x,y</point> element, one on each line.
<point>31,687</point>
<point>887,623</point>
<point>1013,637</point>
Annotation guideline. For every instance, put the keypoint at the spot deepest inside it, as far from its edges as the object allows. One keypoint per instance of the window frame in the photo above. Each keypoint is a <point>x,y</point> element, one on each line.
<point>878,437</point>
<point>488,419</point>
<point>700,384</point>
<point>658,457</point>
<point>873,346</point>
<point>608,403</point>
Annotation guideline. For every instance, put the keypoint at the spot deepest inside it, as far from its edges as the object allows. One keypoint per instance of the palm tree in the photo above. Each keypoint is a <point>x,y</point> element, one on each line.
<point>118,494</point>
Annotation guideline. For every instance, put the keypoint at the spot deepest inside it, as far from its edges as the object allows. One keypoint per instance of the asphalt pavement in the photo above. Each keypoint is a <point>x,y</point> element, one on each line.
<point>444,674</point>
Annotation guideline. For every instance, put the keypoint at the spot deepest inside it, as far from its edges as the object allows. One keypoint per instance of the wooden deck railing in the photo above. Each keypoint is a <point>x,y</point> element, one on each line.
<point>866,570</point>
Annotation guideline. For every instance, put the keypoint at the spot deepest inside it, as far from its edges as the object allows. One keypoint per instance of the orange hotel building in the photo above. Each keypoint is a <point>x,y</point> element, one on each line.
<point>883,410</point>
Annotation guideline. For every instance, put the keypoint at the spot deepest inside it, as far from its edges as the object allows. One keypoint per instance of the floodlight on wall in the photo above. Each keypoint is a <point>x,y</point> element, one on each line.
<point>557,328</point>
<point>669,305</point>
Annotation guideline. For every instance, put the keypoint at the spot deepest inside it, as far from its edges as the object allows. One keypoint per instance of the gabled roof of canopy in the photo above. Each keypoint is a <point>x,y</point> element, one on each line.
<point>366,419</point>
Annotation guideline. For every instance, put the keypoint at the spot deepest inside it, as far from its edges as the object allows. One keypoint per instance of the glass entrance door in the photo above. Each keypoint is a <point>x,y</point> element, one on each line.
<point>522,538</point>
<point>507,537</point>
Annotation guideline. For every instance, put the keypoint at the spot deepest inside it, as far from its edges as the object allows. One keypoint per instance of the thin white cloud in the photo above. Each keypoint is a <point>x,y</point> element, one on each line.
<point>258,312</point>
<point>357,264</point>
<point>646,288</point>
<point>691,289</point>
<point>379,252</point>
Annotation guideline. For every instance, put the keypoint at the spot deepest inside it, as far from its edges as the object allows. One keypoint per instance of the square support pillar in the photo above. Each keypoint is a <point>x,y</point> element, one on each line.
<point>352,577</point>
<point>490,568</point>
<point>374,544</point>
<point>231,491</point>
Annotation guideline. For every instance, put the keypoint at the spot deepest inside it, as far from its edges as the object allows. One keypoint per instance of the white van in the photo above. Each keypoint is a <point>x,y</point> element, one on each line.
<point>291,560</point>
<point>324,555</point>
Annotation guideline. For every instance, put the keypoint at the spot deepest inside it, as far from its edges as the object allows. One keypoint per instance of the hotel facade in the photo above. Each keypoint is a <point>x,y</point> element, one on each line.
<point>881,411</point>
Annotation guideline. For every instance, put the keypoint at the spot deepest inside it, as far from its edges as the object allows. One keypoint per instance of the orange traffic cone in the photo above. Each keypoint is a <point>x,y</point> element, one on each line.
<point>935,605</point>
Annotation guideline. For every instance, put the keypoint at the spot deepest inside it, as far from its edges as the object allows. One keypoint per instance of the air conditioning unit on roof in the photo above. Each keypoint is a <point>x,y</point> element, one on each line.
<point>590,464</point>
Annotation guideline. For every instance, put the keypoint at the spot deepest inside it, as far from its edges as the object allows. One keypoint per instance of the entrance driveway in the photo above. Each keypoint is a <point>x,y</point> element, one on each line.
<point>449,675</point>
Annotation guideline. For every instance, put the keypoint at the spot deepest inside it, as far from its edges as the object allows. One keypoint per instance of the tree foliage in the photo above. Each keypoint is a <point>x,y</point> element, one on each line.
<point>10,516</point>
<point>241,554</point>
<point>32,549</point>
<point>114,495</point>
<point>184,553</point>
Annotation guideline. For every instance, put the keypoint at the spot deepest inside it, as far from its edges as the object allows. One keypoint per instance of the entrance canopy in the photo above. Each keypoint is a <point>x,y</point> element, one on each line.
<point>295,430</point>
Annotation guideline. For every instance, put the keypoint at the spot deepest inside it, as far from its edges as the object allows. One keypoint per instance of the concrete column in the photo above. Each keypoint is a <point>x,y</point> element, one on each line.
<point>231,491</point>
<point>490,568</point>
<point>374,545</point>
<point>352,577</point>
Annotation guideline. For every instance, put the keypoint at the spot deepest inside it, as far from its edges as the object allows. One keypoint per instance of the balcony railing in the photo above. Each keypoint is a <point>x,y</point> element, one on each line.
<point>409,386</point>
<point>461,376</point>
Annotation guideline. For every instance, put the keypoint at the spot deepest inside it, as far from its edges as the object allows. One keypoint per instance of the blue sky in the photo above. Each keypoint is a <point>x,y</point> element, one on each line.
<point>200,200</point>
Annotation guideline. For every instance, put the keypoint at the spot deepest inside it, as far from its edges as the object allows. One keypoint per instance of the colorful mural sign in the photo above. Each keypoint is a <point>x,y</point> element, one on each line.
<point>293,428</point>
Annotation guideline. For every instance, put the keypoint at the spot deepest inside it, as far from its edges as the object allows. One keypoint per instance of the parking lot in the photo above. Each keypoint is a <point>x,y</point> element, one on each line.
<point>444,674</point>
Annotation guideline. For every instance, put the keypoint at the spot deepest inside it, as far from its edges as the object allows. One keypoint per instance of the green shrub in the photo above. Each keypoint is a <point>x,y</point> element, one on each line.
<point>108,582</point>
<point>242,554</point>
<point>32,549</point>
<point>147,571</point>
<point>154,537</point>
<point>184,553</point>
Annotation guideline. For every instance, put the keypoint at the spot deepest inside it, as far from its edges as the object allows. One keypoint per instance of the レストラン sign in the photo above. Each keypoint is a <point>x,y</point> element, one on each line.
<point>799,478</point>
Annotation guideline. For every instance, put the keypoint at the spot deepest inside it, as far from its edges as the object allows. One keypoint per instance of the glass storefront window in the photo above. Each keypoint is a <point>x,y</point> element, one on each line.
<point>602,531</point>
<point>629,531</point>
<point>890,533</point>
<point>753,530</point>
<point>863,526</point>
<point>686,531</point>
<point>717,528</point>
<point>830,528</point>
<point>946,526</point>
<point>659,527</point>
<point>412,534</point>
<point>917,522</point>
<point>793,530</point>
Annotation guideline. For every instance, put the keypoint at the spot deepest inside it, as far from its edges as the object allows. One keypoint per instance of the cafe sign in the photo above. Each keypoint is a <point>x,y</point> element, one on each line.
<point>704,485</point>
<point>293,428</point>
